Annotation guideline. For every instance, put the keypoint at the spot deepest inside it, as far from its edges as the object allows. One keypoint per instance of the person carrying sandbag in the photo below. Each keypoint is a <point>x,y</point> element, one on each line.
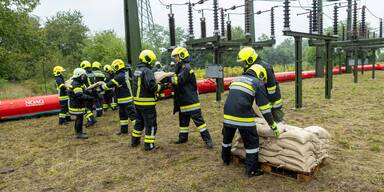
<point>239,114</point>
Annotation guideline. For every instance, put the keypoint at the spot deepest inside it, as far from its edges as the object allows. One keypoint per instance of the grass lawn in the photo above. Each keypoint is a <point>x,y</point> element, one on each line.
<point>39,155</point>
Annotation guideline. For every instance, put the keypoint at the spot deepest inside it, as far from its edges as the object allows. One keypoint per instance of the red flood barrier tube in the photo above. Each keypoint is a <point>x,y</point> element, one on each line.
<point>29,107</point>
<point>48,105</point>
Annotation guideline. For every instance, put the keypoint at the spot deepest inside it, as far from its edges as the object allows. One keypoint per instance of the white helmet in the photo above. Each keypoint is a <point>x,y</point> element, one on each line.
<point>78,72</point>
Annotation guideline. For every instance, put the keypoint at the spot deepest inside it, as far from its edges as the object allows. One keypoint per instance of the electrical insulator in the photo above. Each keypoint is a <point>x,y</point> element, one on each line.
<point>335,19</point>
<point>363,26</point>
<point>229,31</point>
<point>354,26</point>
<point>190,21</point>
<point>310,21</point>
<point>286,16</point>
<point>314,17</point>
<point>172,30</point>
<point>222,22</point>
<point>381,28</point>
<point>215,17</point>
<point>203,27</point>
<point>272,23</point>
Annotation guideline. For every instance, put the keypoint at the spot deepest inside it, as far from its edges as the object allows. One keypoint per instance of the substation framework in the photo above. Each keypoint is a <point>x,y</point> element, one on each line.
<point>355,43</point>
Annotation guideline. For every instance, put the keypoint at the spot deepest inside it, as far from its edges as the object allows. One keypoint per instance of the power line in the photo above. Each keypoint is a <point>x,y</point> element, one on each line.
<point>372,13</point>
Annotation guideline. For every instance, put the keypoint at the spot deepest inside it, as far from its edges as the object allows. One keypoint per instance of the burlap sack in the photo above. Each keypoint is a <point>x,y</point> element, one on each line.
<point>294,154</point>
<point>265,131</point>
<point>301,166</point>
<point>160,75</point>
<point>296,146</point>
<point>319,131</point>
<point>257,110</point>
<point>300,136</point>
<point>286,127</point>
<point>271,146</point>
<point>268,153</point>
<point>238,152</point>
<point>260,121</point>
<point>273,160</point>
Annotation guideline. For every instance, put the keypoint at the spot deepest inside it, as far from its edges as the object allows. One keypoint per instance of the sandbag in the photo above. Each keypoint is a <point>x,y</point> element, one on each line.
<point>273,160</point>
<point>300,136</point>
<point>286,127</point>
<point>294,154</point>
<point>295,146</point>
<point>160,75</point>
<point>268,153</point>
<point>238,152</point>
<point>319,131</point>
<point>265,131</point>
<point>304,166</point>
<point>257,110</point>
<point>261,121</point>
<point>271,145</point>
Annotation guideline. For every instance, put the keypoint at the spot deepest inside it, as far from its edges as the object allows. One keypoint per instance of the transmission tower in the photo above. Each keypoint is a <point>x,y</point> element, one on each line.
<point>145,16</point>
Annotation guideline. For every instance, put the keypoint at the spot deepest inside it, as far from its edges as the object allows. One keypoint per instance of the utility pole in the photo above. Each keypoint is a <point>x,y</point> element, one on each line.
<point>132,31</point>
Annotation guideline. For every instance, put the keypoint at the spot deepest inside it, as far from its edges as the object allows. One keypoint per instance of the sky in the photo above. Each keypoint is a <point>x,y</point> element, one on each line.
<point>102,15</point>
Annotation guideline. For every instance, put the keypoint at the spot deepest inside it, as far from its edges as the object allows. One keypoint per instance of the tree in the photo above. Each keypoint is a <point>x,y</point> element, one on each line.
<point>21,41</point>
<point>67,33</point>
<point>104,47</point>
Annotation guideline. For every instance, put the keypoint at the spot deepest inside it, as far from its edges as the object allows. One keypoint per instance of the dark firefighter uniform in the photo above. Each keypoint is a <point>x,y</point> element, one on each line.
<point>62,94</point>
<point>145,89</point>
<point>87,66</point>
<point>273,91</point>
<point>239,113</point>
<point>109,95</point>
<point>186,99</point>
<point>77,100</point>
<point>99,76</point>
<point>122,84</point>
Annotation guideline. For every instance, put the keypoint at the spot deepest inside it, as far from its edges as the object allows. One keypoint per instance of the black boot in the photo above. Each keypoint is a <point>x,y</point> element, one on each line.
<point>135,141</point>
<point>68,118</point>
<point>252,165</point>
<point>62,121</point>
<point>183,138</point>
<point>99,113</point>
<point>150,147</point>
<point>123,130</point>
<point>81,136</point>
<point>91,121</point>
<point>207,138</point>
<point>226,155</point>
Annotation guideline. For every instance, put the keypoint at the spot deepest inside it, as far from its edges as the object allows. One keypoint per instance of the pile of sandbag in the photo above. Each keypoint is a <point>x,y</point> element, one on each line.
<point>296,148</point>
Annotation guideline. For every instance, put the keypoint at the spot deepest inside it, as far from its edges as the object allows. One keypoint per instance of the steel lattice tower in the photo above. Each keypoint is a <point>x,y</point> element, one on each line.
<point>145,16</point>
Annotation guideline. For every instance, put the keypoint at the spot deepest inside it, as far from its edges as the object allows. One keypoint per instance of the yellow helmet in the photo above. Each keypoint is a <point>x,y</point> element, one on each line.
<point>247,55</point>
<point>259,71</point>
<point>85,64</point>
<point>118,64</point>
<point>96,65</point>
<point>107,68</point>
<point>181,52</point>
<point>58,70</point>
<point>148,57</point>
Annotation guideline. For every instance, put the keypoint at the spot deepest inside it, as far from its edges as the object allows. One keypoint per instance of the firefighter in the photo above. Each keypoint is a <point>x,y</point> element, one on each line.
<point>186,99</point>
<point>239,114</point>
<point>78,98</point>
<point>272,88</point>
<point>145,89</point>
<point>109,95</point>
<point>99,76</point>
<point>64,117</point>
<point>87,66</point>
<point>123,89</point>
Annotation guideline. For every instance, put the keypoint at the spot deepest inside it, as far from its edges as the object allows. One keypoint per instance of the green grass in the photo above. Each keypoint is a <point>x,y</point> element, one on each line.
<point>46,157</point>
